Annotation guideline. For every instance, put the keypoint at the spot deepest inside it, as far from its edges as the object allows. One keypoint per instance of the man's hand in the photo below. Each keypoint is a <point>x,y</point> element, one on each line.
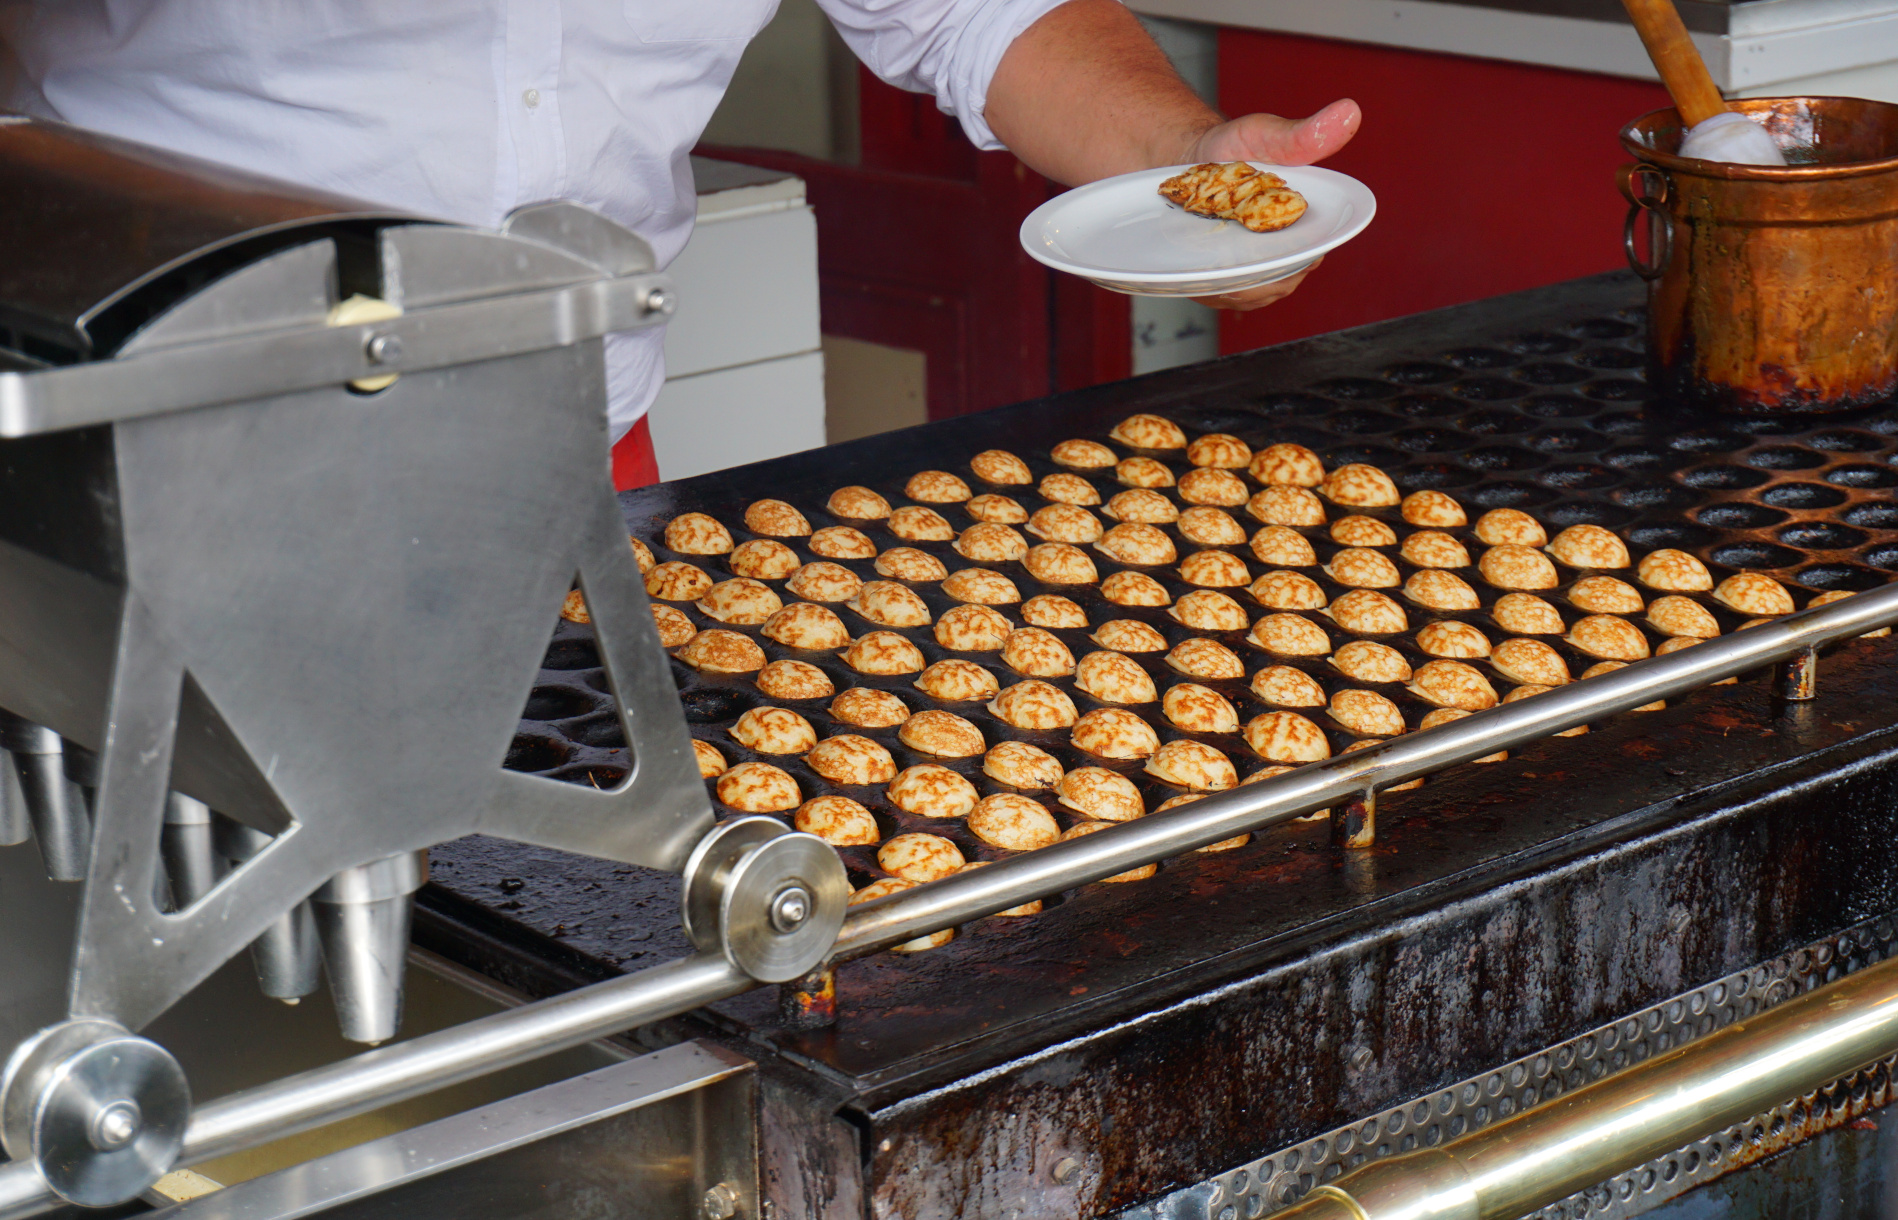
<point>1085,94</point>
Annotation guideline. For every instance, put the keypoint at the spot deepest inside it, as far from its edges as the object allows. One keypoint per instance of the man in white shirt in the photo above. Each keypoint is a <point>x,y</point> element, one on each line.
<point>466,110</point>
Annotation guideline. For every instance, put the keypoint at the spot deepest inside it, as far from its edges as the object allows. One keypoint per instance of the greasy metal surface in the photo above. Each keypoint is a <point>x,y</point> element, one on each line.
<point>1264,1186</point>
<point>1581,879</point>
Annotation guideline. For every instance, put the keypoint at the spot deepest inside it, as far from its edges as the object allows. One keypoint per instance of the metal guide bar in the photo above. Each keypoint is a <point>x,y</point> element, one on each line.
<point>1265,1185</point>
<point>367,1081</point>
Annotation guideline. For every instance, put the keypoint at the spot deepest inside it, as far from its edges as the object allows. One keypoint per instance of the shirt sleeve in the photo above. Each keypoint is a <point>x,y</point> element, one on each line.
<point>946,47</point>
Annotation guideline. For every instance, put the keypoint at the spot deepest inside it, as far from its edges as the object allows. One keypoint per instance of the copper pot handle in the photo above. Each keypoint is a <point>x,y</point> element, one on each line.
<point>1661,234</point>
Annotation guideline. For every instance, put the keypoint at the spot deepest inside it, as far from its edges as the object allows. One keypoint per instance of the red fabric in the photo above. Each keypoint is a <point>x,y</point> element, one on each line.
<point>1490,177</point>
<point>633,462</point>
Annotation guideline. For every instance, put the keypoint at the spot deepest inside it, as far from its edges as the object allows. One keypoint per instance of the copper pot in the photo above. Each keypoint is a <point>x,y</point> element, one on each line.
<point>1769,289</point>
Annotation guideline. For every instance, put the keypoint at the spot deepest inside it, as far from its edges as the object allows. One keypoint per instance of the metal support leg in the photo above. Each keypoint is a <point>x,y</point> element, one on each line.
<point>1354,822</point>
<point>362,919</point>
<point>53,803</point>
<point>1798,677</point>
<point>190,854</point>
<point>16,824</point>
<point>288,960</point>
<point>809,1002</point>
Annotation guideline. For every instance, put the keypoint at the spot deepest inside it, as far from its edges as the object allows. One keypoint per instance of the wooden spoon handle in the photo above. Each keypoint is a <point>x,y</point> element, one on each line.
<point>1677,59</point>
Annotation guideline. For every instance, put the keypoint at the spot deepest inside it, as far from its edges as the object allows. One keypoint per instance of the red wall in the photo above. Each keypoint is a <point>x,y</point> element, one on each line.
<point>1490,177</point>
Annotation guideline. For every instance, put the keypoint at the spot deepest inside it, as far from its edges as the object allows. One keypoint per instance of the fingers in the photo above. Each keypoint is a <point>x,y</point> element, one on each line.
<point>1280,141</point>
<point>1257,298</point>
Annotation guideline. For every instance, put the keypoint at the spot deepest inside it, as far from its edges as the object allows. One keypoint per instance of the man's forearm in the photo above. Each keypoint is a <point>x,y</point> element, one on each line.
<point>1084,93</point>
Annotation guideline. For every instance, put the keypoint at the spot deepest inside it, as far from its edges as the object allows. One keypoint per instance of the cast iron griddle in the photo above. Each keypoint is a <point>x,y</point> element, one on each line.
<point>1534,401</point>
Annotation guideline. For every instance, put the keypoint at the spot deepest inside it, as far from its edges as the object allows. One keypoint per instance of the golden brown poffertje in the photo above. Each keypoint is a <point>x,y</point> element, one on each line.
<point>981,587</point>
<point>1362,568</point>
<point>1035,653</point>
<point>1021,765</point>
<point>1114,678</point>
<point>1083,829</point>
<point>1142,472</point>
<point>642,555</point>
<point>792,680</point>
<point>1289,635</point>
<point>1103,795</point>
<point>1219,488</point>
<point>1199,709</point>
<point>1083,455</point>
<point>1141,506</point>
<point>986,542</point>
<point>1282,546</point>
<point>755,787</point>
<point>1589,546</point>
<point>999,509</point>
<point>1510,527</point>
<point>1608,637</point>
<point>1219,451</point>
<point>1673,571</point>
<point>921,858</point>
<point>774,730</point>
<point>1530,662</point>
<point>1065,523</point>
<point>1053,611</point>
<point>838,821</point>
<point>868,708</point>
<point>1605,595</point>
<point>1193,765</point>
<point>1288,591</point>
<point>885,653</point>
<point>1134,589</point>
<point>1148,432</point>
<point>1128,635</point>
<point>677,581</point>
<point>1283,686</point>
<point>941,734</point>
<point>1288,465</point>
<point>889,604</point>
<point>896,885</point>
<point>776,519</point>
<point>1435,549</point>
<point>1000,467</point>
<point>851,759</point>
<point>697,534</point>
<point>1062,488</point>
<point>1366,713</point>
<point>914,523</point>
<point>740,601</point>
<point>574,608</point>
<point>1208,659</point>
<point>843,542</point>
<point>1209,610</point>
<point>763,559</point>
<point>806,625</point>
<point>1034,705</point>
<point>858,504</point>
<point>1110,732</point>
<point>1754,593</point>
<point>1517,567</point>
<point>1839,595</point>
<point>908,563</point>
<point>1234,190</point>
<point>1362,531</point>
<point>1367,612</point>
<point>1677,615</point>
<point>1433,510</point>
<point>1013,823</point>
<point>1286,737</point>
<point>1205,526</point>
<point>1448,638</point>
<point>1526,614</point>
<point>954,681</point>
<point>1138,545</point>
<point>1369,661</point>
<point>972,628</point>
<point>1283,504</point>
<point>715,651</point>
<point>674,627</point>
<point>1436,589</point>
<point>1453,684</point>
<point>711,762</point>
<point>823,581</point>
<point>1057,563</point>
<point>1359,486</point>
<point>1214,570</point>
<point>931,790</point>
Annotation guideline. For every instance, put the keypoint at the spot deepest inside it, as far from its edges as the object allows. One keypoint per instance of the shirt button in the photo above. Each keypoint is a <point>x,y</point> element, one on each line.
<point>531,98</point>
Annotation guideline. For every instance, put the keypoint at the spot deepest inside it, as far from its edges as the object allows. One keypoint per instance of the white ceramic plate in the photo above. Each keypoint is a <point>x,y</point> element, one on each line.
<point>1122,235</point>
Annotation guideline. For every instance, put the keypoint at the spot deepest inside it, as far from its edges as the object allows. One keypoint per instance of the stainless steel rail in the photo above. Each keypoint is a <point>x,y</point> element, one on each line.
<point>379,1077</point>
<point>1510,1168</point>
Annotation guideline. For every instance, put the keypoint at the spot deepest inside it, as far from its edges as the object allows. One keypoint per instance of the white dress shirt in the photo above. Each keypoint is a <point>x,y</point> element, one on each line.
<point>467,109</point>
